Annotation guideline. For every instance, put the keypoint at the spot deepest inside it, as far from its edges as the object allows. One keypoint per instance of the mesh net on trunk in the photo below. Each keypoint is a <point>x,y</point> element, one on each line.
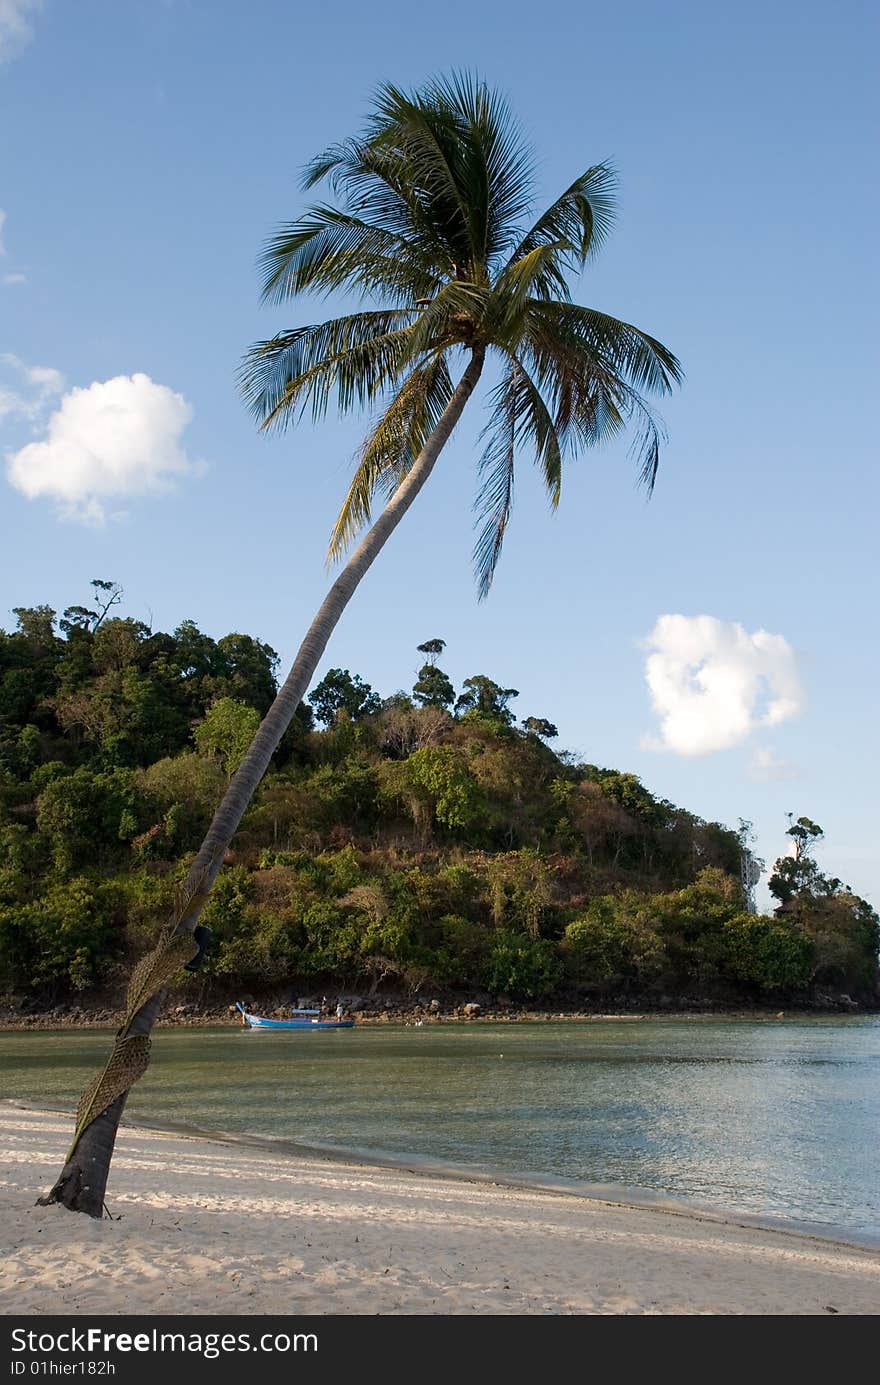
<point>131,1052</point>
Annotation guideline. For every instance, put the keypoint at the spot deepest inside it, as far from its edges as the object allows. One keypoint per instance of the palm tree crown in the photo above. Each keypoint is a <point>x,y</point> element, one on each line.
<point>433,224</point>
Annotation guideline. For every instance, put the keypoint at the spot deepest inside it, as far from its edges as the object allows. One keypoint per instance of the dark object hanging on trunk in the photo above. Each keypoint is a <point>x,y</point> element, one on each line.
<point>202,935</point>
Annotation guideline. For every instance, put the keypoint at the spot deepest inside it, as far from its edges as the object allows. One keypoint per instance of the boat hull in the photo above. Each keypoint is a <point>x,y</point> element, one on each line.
<point>257,1022</point>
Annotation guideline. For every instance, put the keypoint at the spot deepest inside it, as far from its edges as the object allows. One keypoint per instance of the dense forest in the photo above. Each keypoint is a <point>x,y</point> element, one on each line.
<point>421,843</point>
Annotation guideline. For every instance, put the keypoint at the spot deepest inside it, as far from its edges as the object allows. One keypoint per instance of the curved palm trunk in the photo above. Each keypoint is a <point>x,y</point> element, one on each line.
<point>83,1180</point>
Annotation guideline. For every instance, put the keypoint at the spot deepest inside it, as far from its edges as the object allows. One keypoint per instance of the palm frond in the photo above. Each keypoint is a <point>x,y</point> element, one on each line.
<point>577,223</point>
<point>498,165</point>
<point>529,275</point>
<point>375,183</point>
<point>520,419</point>
<point>494,500</point>
<point>642,360</point>
<point>355,356</point>
<point>592,400</point>
<point>447,163</point>
<point>451,317</point>
<point>426,138</point>
<point>392,447</point>
<point>330,249</point>
<point>645,447</point>
<point>537,429</point>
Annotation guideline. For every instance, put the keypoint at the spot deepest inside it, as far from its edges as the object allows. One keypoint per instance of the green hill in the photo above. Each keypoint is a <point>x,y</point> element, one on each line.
<point>419,843</point>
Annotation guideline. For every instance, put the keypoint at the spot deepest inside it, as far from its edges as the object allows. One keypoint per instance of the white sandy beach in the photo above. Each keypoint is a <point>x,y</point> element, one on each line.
<point>211,1228</point>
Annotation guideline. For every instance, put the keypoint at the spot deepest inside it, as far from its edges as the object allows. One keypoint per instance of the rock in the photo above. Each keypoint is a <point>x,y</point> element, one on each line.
<point>434,1006</point>
<point>472,1009</point>
<point>781,1015</point>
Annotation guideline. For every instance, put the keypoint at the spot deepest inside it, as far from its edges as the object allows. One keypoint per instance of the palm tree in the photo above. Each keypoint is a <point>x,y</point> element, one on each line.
<point>430,222</point>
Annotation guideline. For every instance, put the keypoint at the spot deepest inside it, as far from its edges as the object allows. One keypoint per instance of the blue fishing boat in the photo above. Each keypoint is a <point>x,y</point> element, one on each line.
<point>299,1019</point>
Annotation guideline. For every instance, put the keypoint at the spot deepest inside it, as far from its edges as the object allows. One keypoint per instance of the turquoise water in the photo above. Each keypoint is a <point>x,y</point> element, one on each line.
<point>776,1118</point>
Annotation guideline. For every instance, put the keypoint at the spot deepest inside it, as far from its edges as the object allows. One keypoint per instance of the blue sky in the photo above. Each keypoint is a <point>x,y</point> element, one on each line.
<point>148,150</point>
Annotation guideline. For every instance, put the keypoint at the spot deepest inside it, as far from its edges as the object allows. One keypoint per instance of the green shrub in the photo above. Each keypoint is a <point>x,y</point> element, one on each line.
<point>67,939</point>
<point>773,954</point>
<point>612,943</point>
<point>227,731</point>
<point>521,967</point>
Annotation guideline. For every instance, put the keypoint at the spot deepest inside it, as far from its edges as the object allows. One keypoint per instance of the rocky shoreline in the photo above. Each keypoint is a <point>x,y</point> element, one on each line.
<point>395,1009</point>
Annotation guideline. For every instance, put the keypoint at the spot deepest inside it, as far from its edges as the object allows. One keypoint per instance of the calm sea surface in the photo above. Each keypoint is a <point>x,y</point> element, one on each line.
<point>779,1118</point>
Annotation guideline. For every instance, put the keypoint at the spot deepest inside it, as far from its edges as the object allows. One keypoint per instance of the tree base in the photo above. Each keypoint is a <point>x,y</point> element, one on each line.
<point>72,1192</point>
<point>83,1181</point>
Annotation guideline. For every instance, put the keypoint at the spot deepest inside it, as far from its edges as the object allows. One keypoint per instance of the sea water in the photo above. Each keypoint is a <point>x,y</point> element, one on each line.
<point>776,1118</point>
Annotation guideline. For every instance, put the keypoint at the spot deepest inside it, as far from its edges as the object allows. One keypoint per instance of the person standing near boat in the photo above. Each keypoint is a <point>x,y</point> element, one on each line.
<point>340,1010</point>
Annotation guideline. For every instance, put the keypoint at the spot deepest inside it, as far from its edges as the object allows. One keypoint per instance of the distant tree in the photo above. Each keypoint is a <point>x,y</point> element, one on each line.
<point>843,928</point>
<point>481,695</point>
<point>845,933</point>
<point>120,644</point>
<point>247,667</point>
<point>195,653</point>
<point>436,787</point>
<point>341,691</point>
<point>118,690</point>
<point>432,649</point>
<point>521,967</point>
<point>539,726</point>
<point>399,701</point>
<point>106,595</point>
<point>182,792</point>
<point>772,953</point>
<point>27,666</point>
<point>76,618</point>
<point>433,688</point>
<point>609,943</point>
<point>36,624</point>
<point>631,794</point>
<point>226,732</point>
<point>83,815</point>
<point>805,834</point>
<point>799,874</point>
<point>405,728</point>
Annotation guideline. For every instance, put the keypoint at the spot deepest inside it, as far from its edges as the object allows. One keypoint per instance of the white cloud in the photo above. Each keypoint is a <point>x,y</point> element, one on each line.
<point>16,30</point>
<point>712,683</point>
<point>766,766</point>
<point>31,389</point>
<point>2,220</point>
<point>110,442</point>
<point>14,279</point>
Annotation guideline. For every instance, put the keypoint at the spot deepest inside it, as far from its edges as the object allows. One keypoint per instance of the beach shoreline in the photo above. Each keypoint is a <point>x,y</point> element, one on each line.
<point>609,1194</point>
<point>227,1017</point>
<point>229,1224</point>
